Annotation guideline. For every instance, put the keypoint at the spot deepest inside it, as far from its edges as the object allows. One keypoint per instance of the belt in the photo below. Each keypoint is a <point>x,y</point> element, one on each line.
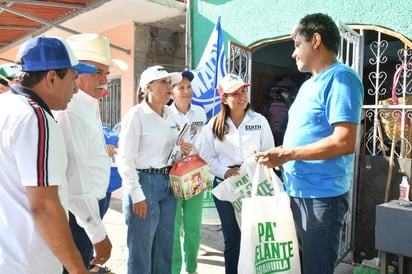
<point>163,170</point>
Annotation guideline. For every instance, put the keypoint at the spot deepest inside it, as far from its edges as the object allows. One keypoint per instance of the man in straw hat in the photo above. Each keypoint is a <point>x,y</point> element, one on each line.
<point>36,237</point>
<point>88,170</point>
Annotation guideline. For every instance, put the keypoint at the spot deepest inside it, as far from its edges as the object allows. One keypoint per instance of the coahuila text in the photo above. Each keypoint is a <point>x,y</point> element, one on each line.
<point>271,256</point>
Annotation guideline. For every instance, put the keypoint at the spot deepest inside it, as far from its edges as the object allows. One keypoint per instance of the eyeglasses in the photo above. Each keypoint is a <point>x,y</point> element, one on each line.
<point>237,93</point>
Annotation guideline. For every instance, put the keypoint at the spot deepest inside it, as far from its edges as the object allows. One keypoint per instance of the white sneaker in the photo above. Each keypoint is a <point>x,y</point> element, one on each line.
<point>202,252</point>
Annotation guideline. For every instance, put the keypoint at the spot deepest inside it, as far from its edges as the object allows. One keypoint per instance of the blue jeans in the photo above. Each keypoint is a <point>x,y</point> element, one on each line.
<point>231,232</point>
<point>104,204</point>
<point>150,240</point>
<point>80,237</point>
<point>83,244</point>
<point>318,225</point>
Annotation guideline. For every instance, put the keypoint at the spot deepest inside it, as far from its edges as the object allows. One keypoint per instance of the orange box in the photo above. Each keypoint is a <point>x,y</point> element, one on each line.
<point>189,177</point>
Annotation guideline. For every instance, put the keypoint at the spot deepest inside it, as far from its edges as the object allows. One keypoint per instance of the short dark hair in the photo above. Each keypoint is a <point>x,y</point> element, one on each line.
<point>29,79</point>
<point>322,24</point>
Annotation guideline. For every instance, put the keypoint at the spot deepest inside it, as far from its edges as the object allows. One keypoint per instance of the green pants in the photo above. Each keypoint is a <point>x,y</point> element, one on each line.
<point>188,213</point>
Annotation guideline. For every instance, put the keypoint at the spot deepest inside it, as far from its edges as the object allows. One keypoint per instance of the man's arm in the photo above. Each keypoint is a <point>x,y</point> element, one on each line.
<point>341,142</point>
<point>51,221</point>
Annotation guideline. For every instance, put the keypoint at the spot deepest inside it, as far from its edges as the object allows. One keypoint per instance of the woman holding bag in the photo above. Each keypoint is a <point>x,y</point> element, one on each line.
<point>188,212</point>
<point>147,136</point>
<point>228,140</point>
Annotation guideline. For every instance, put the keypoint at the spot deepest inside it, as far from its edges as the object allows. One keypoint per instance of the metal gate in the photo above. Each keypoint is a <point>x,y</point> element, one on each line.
<point>240,62</point>
<point>111,103</point>
<point>395,82</point>
<point>351,54</point>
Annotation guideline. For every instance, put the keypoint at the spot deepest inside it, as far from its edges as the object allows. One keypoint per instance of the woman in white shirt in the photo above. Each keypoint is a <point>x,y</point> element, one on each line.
<point>148,135</point>
<point>188,212</point>
<point>229,139</point>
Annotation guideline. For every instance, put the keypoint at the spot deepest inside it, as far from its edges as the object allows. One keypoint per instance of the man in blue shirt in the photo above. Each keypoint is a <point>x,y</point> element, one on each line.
<point>319,143</point>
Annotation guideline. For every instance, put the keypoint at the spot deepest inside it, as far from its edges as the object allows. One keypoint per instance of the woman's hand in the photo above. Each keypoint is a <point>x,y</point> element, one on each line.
<point>140,209</point>
<point>111,150</point>
<point>232,172</point>
<point>186,148</point>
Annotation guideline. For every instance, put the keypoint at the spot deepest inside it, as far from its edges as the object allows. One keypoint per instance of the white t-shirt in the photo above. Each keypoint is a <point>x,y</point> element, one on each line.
<point>238,144</point>
<point>88,170</point>
<point>145,141</point>
<point>32,153</point>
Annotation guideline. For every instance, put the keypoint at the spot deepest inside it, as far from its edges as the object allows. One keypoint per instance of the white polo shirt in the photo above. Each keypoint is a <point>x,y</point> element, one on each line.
<point>196,116</point>
<point>146,140</point>
<point>238,144</point>
<point>88,170</point>
<point>32,153</point>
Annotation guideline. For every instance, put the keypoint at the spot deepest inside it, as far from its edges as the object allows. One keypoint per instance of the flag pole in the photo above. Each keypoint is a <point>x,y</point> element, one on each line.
<point>188,39</point>
<point>219,41</point>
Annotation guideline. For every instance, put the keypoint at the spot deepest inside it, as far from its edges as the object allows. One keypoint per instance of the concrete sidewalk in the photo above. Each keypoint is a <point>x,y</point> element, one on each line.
<point>212,242</point>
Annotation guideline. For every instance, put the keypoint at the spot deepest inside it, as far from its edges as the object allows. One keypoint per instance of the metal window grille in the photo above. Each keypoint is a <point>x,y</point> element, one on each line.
<point>110,107</point>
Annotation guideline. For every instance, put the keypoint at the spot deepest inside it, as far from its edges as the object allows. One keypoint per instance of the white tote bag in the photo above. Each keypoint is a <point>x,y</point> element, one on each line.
<point>268,242</point>
<point>235,188</point>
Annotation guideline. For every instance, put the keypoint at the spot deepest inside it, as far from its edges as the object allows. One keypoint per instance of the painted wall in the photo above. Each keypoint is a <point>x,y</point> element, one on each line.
<point>148,46</point>
<point>123,36</point>
<point>249,21</point>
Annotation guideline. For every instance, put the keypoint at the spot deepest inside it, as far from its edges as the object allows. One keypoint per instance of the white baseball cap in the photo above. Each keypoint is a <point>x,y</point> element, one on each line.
<point>230,83</point>
<point>157,72</point>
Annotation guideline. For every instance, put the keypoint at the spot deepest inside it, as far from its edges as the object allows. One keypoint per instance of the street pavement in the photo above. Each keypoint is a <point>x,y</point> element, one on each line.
<point>212,242</point>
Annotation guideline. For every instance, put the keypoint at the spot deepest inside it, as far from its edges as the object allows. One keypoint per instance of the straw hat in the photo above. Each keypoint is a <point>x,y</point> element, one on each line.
<point>94,47</point>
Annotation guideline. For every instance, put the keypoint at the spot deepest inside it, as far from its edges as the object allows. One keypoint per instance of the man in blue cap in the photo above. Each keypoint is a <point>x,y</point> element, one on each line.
<point>36,236</point>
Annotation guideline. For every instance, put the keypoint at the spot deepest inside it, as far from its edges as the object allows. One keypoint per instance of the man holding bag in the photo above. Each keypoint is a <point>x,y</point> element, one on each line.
<point>319,143</point>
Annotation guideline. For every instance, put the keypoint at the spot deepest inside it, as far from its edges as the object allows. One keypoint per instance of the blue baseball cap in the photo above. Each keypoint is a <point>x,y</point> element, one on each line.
<point>44,53</point>
<point>188,74</point>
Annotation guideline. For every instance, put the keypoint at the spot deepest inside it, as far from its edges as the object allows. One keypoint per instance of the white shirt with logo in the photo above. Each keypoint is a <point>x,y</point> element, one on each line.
<point>196,117</point>
<point>238,144</point>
